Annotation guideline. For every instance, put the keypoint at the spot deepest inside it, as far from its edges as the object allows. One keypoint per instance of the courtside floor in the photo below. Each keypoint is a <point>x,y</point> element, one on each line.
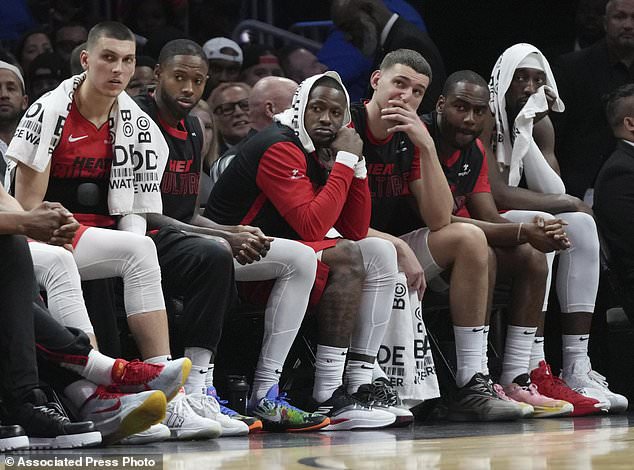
<point>579,443</point>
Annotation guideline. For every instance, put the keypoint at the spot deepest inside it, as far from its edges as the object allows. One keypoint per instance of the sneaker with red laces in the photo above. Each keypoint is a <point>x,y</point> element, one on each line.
<point>527,410</point>
<point>522,390</point>
<point>137,376</point>
<point>119,415</point>
<point>553,387</point>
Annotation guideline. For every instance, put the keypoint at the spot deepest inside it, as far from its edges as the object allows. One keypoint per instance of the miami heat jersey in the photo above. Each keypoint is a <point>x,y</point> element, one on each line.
<point>80,170</point>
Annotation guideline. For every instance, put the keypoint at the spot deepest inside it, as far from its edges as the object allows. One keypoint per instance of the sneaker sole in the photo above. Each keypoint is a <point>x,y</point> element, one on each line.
<point>277,427</point>
<point>233,432</point>
<point>68,441</point>
<point>346,424</point>
<point>185,370</point>
<point>151,411</point>
<point>14,443</point>
<point>195,435</point>
<point>256,427</point>
<point>146,438</point>
<point>552,412</point>
<point>585,411</point>
<point>484,416</point>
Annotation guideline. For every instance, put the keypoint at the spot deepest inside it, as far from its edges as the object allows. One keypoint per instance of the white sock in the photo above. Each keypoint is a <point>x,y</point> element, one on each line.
<point>200,358</point>
<point>158,359</point>
<point>537,353</point>
<point>78,392</point>
<point>98,368</point>
<point>329,365</point>
<point>266,375</point>
<point>209,377</point>
<point>485,350</point>
<point>574,349</point>
<point>377,372</point>
<point>517,352</point>
<point>357,373</point>
<point>468,352</point>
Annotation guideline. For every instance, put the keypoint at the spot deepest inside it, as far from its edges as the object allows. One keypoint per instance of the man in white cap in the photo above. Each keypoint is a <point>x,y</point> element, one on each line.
<point>13,102</point>
<point>523,91</point>
<point>225,61</point>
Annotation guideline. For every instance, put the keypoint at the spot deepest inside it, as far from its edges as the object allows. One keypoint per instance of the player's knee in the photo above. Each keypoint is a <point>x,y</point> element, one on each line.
<point>469,240</point>
<point>346,260</point>
<point>532,261</point>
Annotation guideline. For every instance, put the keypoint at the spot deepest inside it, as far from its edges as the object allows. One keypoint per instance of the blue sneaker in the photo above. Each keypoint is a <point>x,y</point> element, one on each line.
<point>253,423</point>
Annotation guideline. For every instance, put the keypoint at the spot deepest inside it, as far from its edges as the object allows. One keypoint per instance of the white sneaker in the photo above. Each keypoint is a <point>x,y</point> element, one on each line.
<point>208,407</point>
<point>155,433</point>
<point>586,377</point>
<point>582,379</point>
<point>185,424</point>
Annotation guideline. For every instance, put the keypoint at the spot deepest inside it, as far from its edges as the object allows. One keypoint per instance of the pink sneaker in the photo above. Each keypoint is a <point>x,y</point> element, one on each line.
<point>523,390</point>
<point>527,410</point>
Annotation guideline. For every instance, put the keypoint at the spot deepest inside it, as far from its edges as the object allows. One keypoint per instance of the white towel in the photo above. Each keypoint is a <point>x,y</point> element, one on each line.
<point>523,154</point>
<point>139,150</point>
<point>293,117</point>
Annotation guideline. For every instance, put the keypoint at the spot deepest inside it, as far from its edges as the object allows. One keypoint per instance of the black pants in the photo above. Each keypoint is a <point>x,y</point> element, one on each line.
<point>24,321</point>
<point>200,272</point>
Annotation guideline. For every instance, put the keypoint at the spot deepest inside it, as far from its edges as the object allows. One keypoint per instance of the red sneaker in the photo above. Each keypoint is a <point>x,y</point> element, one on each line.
<point>137,376</point>
<point>553,387</point>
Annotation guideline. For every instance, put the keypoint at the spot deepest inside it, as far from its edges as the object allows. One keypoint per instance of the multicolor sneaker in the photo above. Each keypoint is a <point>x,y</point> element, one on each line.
<point>208,407</point>
<point>384,397</point>
<point>351,412</point>
<point>527,409</point>
<point>278,415</point>
<point>477,401</point>
<point>254,424</point>
<point>553,387</point>
<point>582,377</point>
<point>185,424</point>
<point>137,376</point>
<point>523,391</point>
<point>119,415</point>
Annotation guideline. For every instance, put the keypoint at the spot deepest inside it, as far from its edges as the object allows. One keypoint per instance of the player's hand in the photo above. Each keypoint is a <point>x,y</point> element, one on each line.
<point>42,222</point>
<point>247,247</point>
<point>266,241</point>
<point>409,265</point>
<point>546,236</point>
<point>406,120</point>
<point>550,99</point>
<point>348,140</point>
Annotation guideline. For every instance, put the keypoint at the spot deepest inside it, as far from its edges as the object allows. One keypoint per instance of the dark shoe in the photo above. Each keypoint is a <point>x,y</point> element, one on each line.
<point>47,425</point>
<point>13,438</point>
<point>477,401</point>
<point>383,397</point>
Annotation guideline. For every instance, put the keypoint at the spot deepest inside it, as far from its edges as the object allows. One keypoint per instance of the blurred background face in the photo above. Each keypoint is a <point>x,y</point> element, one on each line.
<point>67,38</point>
<point>619,24</point>
<point>221,71</point>
<point>203,113</point>
<point>12,99</point>
<point>267,68</point>
<point>301,64</point>
<point>231,113</point>
<point>141,82</point>
<point>34,45</point>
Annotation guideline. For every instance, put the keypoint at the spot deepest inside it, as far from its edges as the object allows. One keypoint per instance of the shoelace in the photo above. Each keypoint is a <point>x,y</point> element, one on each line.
<point>499,390</point>
<point>138,372</point>
<point>283,400</point>
<point>385,394</point>
<point>51,412</point>
<point>595,376</point>
<point>205,401</point>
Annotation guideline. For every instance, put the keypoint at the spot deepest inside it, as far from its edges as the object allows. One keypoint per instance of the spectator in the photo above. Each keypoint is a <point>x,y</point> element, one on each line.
<point>258,62</point>
<point>45,73</point>
<point>230,104</point>
<point>225,61</point>
<point>584,139</point>
<point>32,44</point>
<point>67,37</point>
<point>75,59</point>
<point>299,63</point>
<point>143,80</point>
<point>13,103</point>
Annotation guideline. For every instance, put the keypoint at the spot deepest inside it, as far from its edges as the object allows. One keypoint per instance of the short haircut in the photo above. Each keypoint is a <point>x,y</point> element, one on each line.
<point>215,94</point>
<point>407,57</point>
<point>463,76</point>
<point>330,83</point>
<point>618,105</point>
<point>109,29</point>
<point>181,47</point>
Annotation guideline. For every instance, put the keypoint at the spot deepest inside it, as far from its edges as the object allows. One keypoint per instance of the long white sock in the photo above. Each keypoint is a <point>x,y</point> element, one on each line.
<point>158,359</point>
<point>266,375</point>
<point>537,353</point>
<point>200,358</point>
<point>485,350</point>
<point>78,392</point>
<point>98,368</point>
<point>377,372</point>
<point>574,349</point>
<point>517,352</point>
<point>468,352</point>
<point>357,374</point>
<point>209,377</point>
<point>329,364</point>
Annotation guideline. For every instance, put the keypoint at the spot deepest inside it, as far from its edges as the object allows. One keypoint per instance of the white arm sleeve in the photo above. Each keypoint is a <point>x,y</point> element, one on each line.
<point>134,223</point>
<point>540,176</point>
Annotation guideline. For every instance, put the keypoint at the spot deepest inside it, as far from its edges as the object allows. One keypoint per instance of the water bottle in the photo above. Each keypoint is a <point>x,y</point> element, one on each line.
<point>238,392</point>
